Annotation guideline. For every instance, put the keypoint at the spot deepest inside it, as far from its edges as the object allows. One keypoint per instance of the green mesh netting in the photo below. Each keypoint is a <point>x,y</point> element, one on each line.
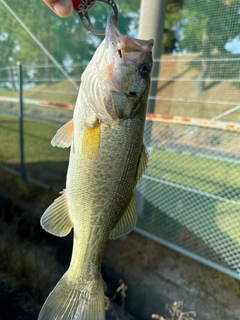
<point>189,195</point>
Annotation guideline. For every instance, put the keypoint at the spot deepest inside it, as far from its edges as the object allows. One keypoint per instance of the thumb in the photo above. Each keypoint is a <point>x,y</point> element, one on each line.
<point>62,8</point>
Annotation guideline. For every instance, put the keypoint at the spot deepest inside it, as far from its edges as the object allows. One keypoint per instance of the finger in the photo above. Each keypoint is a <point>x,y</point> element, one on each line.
<point>62,8</point>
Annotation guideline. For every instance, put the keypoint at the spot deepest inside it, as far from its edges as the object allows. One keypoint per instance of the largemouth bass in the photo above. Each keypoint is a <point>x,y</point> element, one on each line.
<point>107,159</point>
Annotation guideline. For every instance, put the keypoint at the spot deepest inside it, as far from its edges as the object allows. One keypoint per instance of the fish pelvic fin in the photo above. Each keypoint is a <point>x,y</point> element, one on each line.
<point>56,218</point>
<point>71,300</point>
<point>64,136</point>
<point>127,222</point>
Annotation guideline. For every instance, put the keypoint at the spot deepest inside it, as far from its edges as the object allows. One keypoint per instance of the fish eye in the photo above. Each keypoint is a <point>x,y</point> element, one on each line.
<point>144,69</point>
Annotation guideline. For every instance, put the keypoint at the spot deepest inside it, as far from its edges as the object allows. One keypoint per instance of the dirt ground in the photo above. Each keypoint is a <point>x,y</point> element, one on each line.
<point>32,261</point>
<point>154,275</point>
<point>157,276</point>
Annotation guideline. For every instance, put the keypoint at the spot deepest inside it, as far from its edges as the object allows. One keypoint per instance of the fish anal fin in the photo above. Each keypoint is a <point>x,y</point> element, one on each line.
<point>91,141</point>
<point>142,163</point>
<point>127,222</point>
<point>64,136</point>
<point>56,218</point>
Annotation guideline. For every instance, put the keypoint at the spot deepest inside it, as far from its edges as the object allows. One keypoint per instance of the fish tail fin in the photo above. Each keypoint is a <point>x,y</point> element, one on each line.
<point>71,300</point>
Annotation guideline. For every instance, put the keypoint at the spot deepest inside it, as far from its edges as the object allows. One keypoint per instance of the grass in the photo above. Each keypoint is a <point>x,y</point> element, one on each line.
<point>7,92</point>
<point>22,256</point>
<point>29,257</point>
<point>37,137</point>
<point>223,90</point>
<point>48,165</point>
<point>204,174</point>
<point>25,262</point>
<point>42,161</point>
<point>228,219</point>
<point>217,177</point>
<point>62,92</point>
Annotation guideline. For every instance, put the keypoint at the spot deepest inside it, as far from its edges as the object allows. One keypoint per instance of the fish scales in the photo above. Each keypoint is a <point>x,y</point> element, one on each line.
<point>106,160</point>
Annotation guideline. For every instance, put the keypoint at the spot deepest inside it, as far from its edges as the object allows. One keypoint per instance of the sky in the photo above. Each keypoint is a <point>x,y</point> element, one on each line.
<point>233,46</point>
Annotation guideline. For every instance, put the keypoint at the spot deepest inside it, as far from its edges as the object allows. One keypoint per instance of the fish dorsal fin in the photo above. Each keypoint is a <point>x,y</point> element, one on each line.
<point>142,163</point>
<point>91,141</point>
<point>56,218</point>
<point>64,136</point>
<point>127,222</point>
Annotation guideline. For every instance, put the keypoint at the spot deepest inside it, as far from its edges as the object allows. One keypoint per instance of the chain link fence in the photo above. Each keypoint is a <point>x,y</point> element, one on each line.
<point>189,195</point>
<point>46,108</point>
<point>188,198</point>
<point>190,191</point>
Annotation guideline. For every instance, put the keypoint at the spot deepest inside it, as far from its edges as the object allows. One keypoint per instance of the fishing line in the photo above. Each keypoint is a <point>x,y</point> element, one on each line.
<point>40,45</point>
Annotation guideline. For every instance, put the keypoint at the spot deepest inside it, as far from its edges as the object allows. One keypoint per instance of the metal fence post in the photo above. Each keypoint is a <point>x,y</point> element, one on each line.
<point>21,137</point>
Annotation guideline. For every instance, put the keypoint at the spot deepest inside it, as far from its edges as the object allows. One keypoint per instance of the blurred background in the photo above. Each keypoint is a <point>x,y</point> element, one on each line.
<point>188,197</point>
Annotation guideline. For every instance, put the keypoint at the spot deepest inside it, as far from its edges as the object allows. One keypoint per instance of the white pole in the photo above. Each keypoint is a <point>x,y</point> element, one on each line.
<point>151,26</point>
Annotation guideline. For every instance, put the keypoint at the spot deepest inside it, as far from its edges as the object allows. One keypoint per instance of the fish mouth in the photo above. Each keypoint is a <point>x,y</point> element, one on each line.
<point>132,94</point>
<point>124,49</point>
<point>112,33</point>
<point>127,48</point>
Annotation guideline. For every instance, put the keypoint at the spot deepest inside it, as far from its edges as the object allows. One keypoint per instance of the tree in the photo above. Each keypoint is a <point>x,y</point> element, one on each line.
<point>6,47</point>
<point>172,23</point>
<point>66,39</point>
<point>207,26</point>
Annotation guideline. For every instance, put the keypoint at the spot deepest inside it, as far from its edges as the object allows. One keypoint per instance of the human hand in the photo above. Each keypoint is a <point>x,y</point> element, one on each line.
<point>62,8</point>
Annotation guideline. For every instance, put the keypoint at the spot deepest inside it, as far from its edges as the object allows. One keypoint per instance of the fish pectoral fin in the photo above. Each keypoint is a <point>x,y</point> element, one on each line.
<point>127,222</point>
<point>56,218</point>
<point>142,163</point>
<point>64,136</point>
<point>91,141</point>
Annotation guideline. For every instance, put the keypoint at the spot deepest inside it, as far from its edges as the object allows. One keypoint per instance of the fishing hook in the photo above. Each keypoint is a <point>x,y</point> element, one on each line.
<point>82,7</point>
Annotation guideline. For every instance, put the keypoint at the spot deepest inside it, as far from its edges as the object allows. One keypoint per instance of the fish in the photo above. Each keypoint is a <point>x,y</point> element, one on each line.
<point>107,158</point>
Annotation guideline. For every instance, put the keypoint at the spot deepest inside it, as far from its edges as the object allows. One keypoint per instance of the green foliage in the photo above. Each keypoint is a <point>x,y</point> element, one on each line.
<point>25,262</point>
<point>173,19</point>
<point>218,21</point>
<point>200,25</point>
<point>127,6</point>
<point>66,39</point>
<point>70,43</point>
<point>60,37</point>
